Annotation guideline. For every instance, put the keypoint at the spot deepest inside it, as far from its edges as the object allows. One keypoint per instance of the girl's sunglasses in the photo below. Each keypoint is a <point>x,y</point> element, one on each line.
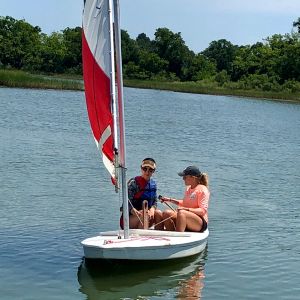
<point>145,169</point>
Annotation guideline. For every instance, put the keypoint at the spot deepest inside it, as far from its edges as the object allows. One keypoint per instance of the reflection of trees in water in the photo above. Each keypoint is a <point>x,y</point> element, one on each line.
<point>143,279</point>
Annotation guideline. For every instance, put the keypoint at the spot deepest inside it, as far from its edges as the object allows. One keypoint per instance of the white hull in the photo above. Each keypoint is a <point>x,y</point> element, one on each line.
<point>144,245</point>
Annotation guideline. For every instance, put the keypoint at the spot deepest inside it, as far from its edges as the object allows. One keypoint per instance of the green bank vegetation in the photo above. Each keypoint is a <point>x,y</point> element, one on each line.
<point>19,78</point>
<point>213,89</point>
<point>268,69</point>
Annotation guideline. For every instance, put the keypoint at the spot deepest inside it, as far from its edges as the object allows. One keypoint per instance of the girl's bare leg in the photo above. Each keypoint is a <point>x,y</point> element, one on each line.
<point>188,221</point>
<point>170,219</point>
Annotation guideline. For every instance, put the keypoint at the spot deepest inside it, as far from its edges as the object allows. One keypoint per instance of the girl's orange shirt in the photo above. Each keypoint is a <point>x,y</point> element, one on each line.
<point>197,197</point>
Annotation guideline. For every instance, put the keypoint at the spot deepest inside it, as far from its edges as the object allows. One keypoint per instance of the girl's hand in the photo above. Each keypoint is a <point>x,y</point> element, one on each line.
<point>161,198</point>
<point>164,199</point>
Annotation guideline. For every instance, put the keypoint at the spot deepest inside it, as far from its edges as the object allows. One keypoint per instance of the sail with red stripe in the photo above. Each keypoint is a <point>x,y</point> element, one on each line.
<point>98,70</point>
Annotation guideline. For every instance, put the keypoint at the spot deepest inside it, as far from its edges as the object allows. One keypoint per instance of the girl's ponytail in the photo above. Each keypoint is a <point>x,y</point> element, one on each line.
<point>203,179</point>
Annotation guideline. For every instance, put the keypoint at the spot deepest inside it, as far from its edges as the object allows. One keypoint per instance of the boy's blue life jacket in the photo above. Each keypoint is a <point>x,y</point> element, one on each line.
<point>147,192</point>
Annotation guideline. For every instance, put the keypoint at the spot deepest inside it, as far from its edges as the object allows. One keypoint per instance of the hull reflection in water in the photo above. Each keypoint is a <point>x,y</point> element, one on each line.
<point>110,280</point>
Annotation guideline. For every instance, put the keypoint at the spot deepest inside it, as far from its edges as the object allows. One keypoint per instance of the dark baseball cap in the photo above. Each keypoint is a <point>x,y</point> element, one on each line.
<point>191,170</point>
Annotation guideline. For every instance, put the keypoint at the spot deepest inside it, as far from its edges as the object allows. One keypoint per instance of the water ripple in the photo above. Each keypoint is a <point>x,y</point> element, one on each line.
<point>54,192</point>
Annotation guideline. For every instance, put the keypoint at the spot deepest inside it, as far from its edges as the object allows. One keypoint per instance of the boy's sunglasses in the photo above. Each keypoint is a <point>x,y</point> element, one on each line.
<point>145,169</point>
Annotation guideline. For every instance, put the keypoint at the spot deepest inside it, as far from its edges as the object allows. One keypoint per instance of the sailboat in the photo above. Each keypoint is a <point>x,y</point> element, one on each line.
<point>102,71</point>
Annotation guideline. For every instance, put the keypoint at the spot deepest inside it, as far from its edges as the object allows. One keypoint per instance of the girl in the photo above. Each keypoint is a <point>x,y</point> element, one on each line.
<point>191,214</point>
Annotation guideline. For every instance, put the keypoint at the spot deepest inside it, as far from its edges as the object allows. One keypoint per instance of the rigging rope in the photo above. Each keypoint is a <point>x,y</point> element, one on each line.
<point>155,224</point>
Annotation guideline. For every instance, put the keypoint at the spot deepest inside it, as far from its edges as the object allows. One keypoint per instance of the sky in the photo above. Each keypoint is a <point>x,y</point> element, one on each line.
<point>200,22</point>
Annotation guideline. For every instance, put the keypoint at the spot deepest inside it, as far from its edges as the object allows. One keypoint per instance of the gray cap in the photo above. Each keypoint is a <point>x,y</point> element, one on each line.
<point>191,170</point>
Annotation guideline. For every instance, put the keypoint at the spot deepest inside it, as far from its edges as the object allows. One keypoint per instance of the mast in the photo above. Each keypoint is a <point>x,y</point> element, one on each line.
<point>122,152</point>
<point>113,85</point>
<point>119,122</point>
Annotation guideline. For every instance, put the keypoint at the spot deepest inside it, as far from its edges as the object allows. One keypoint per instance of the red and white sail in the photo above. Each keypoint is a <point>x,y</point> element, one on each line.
<point>97,73</point>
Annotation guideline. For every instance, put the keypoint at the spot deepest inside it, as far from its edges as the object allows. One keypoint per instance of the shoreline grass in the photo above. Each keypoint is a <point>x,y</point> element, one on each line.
<point>21,79</point>
<point>196,88</point>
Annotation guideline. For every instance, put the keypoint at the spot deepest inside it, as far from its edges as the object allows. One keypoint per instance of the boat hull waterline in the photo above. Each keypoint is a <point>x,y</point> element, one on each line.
<point>144,245</point>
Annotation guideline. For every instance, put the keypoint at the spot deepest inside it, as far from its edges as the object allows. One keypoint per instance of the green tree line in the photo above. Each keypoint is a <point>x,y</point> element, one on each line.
<point>273,64</point>
<point>25,47</point>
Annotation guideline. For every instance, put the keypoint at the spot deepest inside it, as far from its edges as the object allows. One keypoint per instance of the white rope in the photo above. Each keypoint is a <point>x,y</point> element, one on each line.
<point>155,224</point>
<point>164,221</point>
<point>168,217</point>
<point>136,213</point>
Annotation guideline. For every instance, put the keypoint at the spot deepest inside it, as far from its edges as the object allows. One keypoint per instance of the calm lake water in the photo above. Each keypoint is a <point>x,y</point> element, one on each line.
<point>54,192</point>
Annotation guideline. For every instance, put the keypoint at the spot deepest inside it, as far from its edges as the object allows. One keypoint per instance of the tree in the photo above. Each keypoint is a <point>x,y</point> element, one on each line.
<point>278,59</point>
<point>222,52</point>
<point>200,68</point>
<point>72,42</point>
<point>171,47</point>
<point>19,42</point>
<point>256,59</point>
<point>129,48</point>
<point>287,60</point>
<point>53,53</point>
<point>151,63</point>
<point>297,24</point>
<point>144,42</point>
